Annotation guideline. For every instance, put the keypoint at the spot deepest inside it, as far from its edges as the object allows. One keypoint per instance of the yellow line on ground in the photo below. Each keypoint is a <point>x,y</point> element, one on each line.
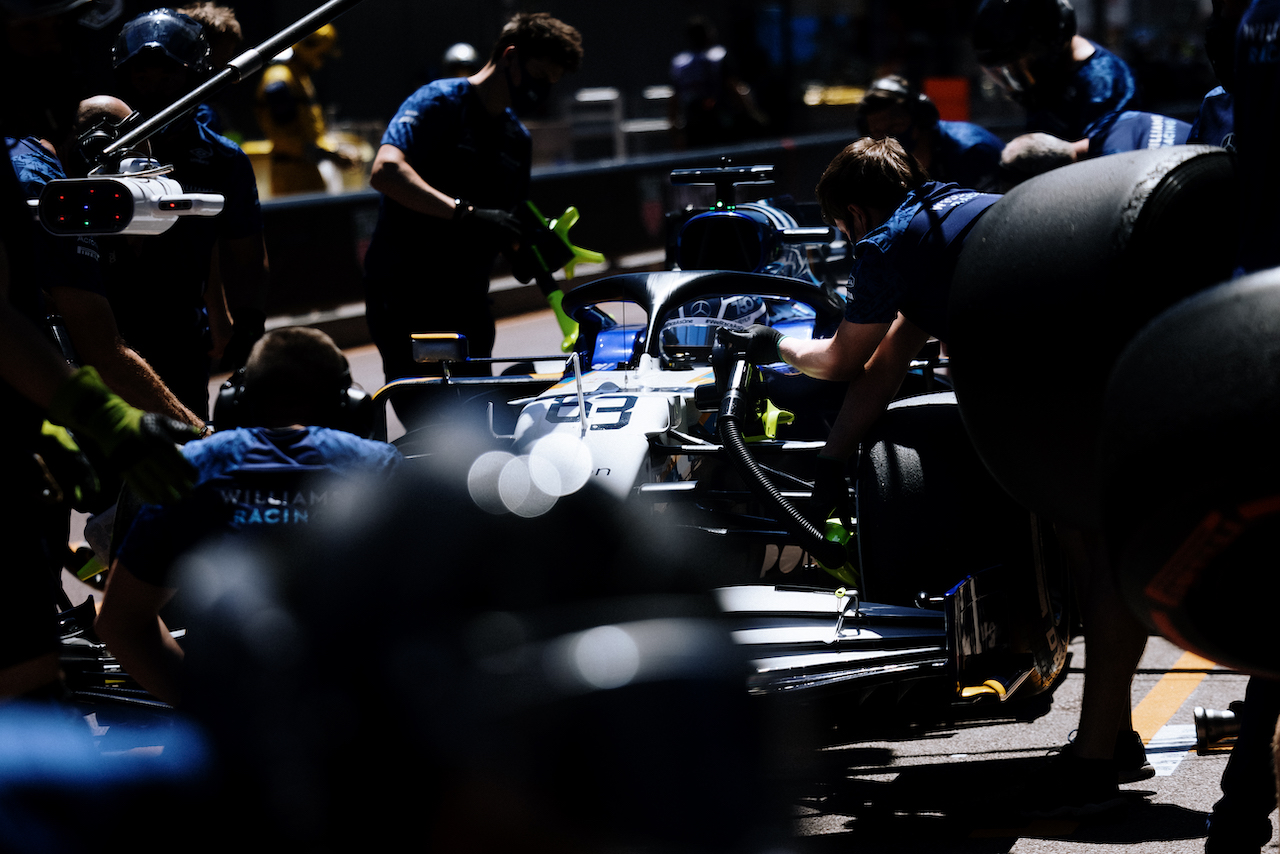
<point>1168,695</point>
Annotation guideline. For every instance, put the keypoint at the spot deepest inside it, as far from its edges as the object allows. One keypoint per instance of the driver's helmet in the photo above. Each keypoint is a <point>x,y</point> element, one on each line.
<point>690,330</point>
<point>1016,40</point>
<point>164,32</point>
<point>738,310</point>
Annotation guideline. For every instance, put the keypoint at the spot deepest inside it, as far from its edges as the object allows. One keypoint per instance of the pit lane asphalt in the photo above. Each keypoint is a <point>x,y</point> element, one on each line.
<point>935,795</point>
<point>940,793</point>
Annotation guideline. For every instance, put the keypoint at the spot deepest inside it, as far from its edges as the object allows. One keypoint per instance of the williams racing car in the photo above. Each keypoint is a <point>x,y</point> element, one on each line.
<point>946,603</point>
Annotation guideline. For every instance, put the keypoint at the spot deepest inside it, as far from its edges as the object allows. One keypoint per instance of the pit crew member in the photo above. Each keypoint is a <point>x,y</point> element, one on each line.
<point>159,286</point>
<point>907,233</point>
<point>1064,81</point>
<point>453,164</point>
<point>1241,818</point>
<point>75,288</point>
<point>295,378</point>
<point>956,152</point>
<point>37,383</point>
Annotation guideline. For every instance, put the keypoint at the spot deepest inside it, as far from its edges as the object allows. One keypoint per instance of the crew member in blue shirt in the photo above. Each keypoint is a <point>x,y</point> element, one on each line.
<point>1064,81</point>
<point>75,288</point>
<point>39,388</point>
<point>171,295</point>
<point>453,165</point>
<point>296,383</point>
<point>957,152</point>
<point>907,232</point>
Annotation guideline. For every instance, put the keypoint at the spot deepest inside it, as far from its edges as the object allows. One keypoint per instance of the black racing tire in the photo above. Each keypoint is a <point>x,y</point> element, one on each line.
<point>1053,282</point>
<point>1191,473</point>
<point>930,514</point>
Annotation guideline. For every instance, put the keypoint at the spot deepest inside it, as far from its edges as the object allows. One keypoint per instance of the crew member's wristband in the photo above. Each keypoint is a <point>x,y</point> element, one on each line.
<point>459,208</point>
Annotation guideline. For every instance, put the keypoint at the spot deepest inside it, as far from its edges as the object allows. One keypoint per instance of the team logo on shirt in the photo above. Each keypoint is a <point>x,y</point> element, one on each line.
<point>272,507</point>
<point>951,201</point>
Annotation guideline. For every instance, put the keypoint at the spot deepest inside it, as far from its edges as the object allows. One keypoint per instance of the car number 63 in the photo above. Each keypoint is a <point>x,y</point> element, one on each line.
<point>610,412</point>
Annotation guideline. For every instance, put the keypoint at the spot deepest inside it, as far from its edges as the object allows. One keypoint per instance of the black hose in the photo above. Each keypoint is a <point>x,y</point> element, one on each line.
<point>829,554</point>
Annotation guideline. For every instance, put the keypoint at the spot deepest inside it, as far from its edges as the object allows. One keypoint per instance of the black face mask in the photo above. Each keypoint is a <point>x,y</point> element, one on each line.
<point>531,94</point>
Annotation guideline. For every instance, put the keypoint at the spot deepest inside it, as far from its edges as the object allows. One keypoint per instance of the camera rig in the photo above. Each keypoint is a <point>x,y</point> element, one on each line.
<point>125,194</point>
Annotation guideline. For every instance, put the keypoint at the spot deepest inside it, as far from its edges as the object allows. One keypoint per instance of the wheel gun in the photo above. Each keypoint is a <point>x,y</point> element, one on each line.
<point>544,249</point>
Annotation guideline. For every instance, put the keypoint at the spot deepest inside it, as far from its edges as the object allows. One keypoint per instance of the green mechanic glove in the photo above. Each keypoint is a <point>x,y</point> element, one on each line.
<point>141,445</point>
<point>69,476</point>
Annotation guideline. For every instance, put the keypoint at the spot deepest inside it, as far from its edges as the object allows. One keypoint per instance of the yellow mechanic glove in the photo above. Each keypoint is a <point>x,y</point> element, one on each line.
<point>142,446</point>
<point>69,476</point>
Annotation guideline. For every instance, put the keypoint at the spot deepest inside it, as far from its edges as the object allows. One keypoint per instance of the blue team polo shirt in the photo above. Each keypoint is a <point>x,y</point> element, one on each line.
<point>1097,87</point>
<point>905,265</point>
<point>1133,131</point>
<point>226,501</point>
<point>452,141</point>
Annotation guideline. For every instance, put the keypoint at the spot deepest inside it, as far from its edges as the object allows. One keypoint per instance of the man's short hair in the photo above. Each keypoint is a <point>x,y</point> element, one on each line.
<point>1032,154</point>
<point>295,374</point>
<point>537,35</point>
<point>870,173</point>
<point>215,18</point>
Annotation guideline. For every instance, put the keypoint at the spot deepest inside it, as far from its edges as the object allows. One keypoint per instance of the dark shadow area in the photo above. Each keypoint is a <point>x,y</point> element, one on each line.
<point>965,807</point>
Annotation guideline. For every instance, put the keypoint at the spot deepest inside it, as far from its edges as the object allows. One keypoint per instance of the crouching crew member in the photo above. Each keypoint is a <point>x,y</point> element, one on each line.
<point>279,472</point>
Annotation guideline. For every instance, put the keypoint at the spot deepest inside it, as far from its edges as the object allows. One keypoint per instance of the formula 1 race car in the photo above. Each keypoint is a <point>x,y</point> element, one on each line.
<point>947,603</point>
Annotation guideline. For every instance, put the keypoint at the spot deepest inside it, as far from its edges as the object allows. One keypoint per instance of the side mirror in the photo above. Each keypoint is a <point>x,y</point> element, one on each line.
<point>439,347</point>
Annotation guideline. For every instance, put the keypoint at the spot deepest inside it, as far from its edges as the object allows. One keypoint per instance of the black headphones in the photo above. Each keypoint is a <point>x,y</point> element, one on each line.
<point>924,113</point>
<point>349,409</point>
